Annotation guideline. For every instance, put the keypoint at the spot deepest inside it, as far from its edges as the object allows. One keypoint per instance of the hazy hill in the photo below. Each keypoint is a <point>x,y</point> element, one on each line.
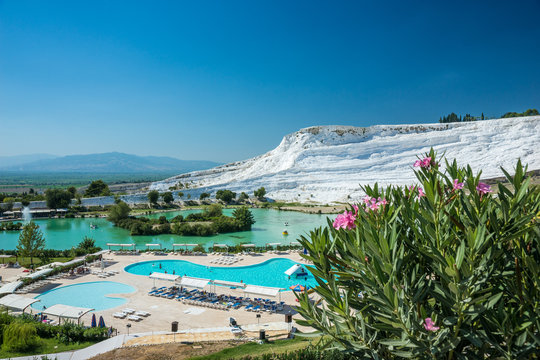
<point>113,162</point>
<point>328,163</point>
<point>15,160</point>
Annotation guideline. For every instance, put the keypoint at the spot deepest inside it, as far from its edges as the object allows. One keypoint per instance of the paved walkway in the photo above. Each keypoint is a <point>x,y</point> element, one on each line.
<point>159,337</point>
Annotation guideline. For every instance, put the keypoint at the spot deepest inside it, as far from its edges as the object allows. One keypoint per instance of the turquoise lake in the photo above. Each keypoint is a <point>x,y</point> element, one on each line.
<point>66,233</point>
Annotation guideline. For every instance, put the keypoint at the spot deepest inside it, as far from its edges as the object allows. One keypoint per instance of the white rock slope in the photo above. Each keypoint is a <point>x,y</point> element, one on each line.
<point>326,164</point>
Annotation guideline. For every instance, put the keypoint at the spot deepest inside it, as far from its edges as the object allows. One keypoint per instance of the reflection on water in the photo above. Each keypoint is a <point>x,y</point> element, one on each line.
<point>65,233</point>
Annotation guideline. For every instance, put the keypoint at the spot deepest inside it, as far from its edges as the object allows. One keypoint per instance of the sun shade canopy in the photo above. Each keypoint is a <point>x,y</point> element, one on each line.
<point>38,274</point>
<point>11,287</point>
<point>273,244</point>
<point>194,282</point>
<point>262,290</point>
<point>66,311</point>
<point>228,283</point>
<point>221,245</point>
<point>16,302</point>
<point>161,276</point>
<point>175,245</point>
<point>154,245</point>
<point>121,245</point>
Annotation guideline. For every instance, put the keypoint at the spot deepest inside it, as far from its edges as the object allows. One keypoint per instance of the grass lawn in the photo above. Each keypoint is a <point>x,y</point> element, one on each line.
<point>48,346</point>
<point>253,349</point>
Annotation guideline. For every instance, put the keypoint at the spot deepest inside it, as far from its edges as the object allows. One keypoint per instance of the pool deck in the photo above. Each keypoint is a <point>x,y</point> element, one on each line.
<point>164,311</point>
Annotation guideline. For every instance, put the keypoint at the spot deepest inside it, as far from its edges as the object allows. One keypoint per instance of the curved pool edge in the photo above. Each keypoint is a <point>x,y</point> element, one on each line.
<point>273,277</point>
<point>117,295</point>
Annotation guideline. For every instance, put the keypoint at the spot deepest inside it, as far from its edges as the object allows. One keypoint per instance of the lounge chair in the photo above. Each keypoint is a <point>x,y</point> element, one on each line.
<point>128,311</point>
<point>134,318</point>
<point>119,315</point>
<point>142,313</point>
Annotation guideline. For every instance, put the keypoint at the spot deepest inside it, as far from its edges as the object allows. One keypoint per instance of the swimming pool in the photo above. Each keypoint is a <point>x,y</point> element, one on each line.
<point>268,273</point>
<point>88,295</point>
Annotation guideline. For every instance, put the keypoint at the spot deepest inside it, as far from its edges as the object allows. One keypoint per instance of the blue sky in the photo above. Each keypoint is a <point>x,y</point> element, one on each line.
<point>226,80</point>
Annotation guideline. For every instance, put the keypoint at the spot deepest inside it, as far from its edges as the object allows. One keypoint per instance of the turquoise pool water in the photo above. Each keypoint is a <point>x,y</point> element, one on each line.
<point>268,273</point>
<point>65,233</point>
<point>89,295</point>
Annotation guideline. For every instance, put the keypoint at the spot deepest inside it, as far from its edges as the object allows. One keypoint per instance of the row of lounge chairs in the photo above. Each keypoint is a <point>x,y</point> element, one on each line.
<point>104,274</point>
<point>220,302</point>
<point>226,260</point>
<point>131,314</point>
<point>126,252</point>
<point>33,286</point>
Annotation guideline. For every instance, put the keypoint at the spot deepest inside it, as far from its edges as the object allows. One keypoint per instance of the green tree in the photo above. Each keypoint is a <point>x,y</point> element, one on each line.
<point>20,336</point>
<point>8,203</point>
<point>153,197</point>
<point>260,193</point>
<point>31,241</point>
<point>119,212</point>
<point>87,243</point>
<point>204,195</point>
<point>437,274</point>
<point>167,197</point>
<point>244,217</point>
<point>243,197</point>
<point>72,190</point>
<point>97,188</point>
<point>225,195</point>
<point>25,201</point>
<point>57,198</point>
<point>180,194</point>
<point>213,210</point>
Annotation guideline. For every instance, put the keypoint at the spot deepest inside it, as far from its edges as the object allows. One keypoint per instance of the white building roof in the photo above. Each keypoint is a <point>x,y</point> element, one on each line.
<point>162,276</point>
<point>262,290</point>
<point>17,302</point>
<point>66,311</point>
<point>194,282</point>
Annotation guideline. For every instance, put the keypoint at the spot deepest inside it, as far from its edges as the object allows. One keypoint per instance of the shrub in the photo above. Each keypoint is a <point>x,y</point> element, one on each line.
<point>20,336</point>
<point>444,270</point>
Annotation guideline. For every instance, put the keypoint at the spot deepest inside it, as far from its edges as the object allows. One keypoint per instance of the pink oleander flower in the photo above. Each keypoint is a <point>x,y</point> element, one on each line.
<point>421,192</point>
<point>429,325</point>
<point>457,185</point>
<point>483,188</point>
<point>425,162</point>
<point>355,207</point>
<point>374,205</point>
<point>345,221</point>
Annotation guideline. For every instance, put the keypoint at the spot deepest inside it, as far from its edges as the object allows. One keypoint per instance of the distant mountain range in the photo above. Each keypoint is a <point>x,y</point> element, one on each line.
<point>113,162</point>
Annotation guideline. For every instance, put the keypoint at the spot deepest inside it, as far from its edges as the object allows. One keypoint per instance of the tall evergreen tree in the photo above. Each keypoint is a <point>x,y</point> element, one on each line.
<point>31,241</point>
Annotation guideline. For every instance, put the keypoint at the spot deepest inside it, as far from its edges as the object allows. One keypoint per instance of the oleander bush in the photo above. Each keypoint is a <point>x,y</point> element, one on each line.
<point>441,270</point>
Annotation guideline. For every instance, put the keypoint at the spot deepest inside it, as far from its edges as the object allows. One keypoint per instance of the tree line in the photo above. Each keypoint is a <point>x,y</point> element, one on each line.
<point>453,117</point>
